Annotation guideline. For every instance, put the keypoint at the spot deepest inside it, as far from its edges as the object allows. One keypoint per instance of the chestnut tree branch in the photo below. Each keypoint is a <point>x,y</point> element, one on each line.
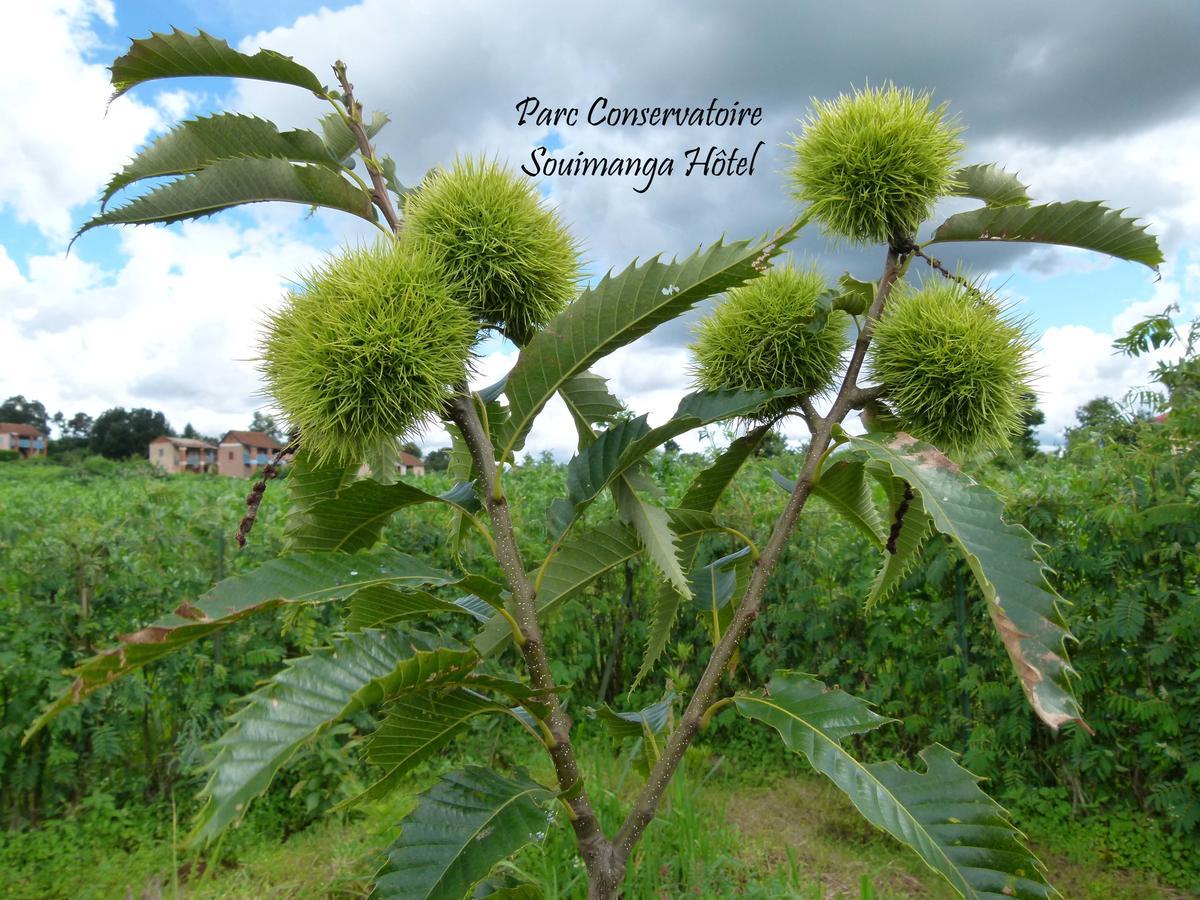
<point>379,190</point>
<point>597,851</point>
<point>751,605</point>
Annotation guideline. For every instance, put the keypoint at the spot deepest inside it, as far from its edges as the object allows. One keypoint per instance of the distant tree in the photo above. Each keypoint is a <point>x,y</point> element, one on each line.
<point>1027,444</point>
<point>438,460</point>
<point>671,446</point>
<point>190,432</point>
<point>24,412</point>
<point>412,449</point>
<point>73,434</point>
<point>79,427</point>
<point>1101,421</point>
<point>771,445</point>
<point>267,425</point>
<point>119,433</point>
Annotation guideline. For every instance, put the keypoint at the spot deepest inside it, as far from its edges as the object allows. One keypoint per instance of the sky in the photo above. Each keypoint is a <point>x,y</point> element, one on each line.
<point>1086,100</point>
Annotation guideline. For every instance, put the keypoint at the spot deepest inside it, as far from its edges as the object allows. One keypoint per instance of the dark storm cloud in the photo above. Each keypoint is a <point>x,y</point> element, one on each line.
<point>451,74</point>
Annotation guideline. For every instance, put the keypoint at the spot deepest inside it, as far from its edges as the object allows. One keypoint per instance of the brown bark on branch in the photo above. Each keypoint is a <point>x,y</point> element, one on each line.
<point>379,190</point>
<point>605,870</point>
<point>751,605</point>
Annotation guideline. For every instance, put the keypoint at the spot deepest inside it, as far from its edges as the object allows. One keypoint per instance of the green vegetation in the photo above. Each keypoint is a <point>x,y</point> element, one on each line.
<point>761,336</point>
<point>511,260</point>
<point>366,350</point>
<point>123,544</point>
<point>438,637</point>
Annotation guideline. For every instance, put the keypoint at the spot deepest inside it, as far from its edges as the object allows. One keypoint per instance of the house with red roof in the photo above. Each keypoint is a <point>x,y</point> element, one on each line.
<point>243,453</point>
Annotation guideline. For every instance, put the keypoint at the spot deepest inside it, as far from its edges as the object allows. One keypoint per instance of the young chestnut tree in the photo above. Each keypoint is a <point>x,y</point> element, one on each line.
<point>377,341</point>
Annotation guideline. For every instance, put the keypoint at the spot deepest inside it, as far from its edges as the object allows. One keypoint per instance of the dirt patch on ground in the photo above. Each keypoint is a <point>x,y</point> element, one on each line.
<point>829,840</point>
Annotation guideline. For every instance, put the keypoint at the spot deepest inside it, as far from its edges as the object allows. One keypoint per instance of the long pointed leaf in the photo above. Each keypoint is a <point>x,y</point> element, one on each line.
<point>196,143</point>
<point>715,586</point>
<point>308,696</point>
<point>416,727</point>
<point>621,447</point>
<point>702,495</point>
<point>1005,561</point>
<point>590,402</point>
<point>299,578</point>
<point>618,310</point>
<point>652,525</point>
<point>843,485</point>
<point>992,185</point>
<point>233,182</point>
<point>909,529</point>
<point>1080,223</point>
<point>460,828</point>
<point>581,560</point>
<point>382,605</point>
<point>956,829</point>
<point>330,512</point>
<point>181,55</point>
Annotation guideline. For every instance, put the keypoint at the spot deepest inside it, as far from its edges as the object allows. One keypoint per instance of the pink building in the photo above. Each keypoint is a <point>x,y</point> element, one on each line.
<point>245,453</point>
<point>26,440</point>
<point>407,464</point>
<point>172,454</point>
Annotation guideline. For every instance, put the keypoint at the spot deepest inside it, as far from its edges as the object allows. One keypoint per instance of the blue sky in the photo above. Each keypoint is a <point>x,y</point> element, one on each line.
<point>167,317</point>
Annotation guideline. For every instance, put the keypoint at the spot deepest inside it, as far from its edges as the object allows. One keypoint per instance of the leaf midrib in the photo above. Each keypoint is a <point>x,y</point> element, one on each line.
<point>882,787</point>
<point>475,834</point>
<point>583,363</point>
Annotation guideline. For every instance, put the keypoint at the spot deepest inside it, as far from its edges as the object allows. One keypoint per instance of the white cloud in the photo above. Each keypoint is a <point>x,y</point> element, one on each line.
<point>1155,173</point>
<point>1077,364</point>
<point>58,144</point>
<point>174,329</point>
<point>186,300</point>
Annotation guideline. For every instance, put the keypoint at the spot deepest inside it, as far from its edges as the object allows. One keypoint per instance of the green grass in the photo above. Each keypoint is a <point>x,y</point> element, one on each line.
<point>719,835</point>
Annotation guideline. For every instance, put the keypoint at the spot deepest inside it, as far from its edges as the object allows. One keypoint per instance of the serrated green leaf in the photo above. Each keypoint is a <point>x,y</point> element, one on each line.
<point>617,449</point>
<point>622,725</point>
<point>583,558</point>
<point>183,55</point>
<point>590,403</point>
<point>844,486</point>
<point>641,726</point>
<point>906,535</point>
<point>382,605</point>
<point>1004,560</point>
<point>461,827</point>
<point>991,184</point>
<point>715,585</point>
<point>298,578</point>
<point>339,141</point>
<point>652,525</point>
<point>579,561</point>
<point>952,825</point>
<point>196,143</point>
<point>618,310</point>
<point>1080,223</point>
<point>416,727</point>
<point>329,511</point>
<point>702,495</point>
<point>709,485</point>
<point>234,182</point>
<point>358,671</point>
